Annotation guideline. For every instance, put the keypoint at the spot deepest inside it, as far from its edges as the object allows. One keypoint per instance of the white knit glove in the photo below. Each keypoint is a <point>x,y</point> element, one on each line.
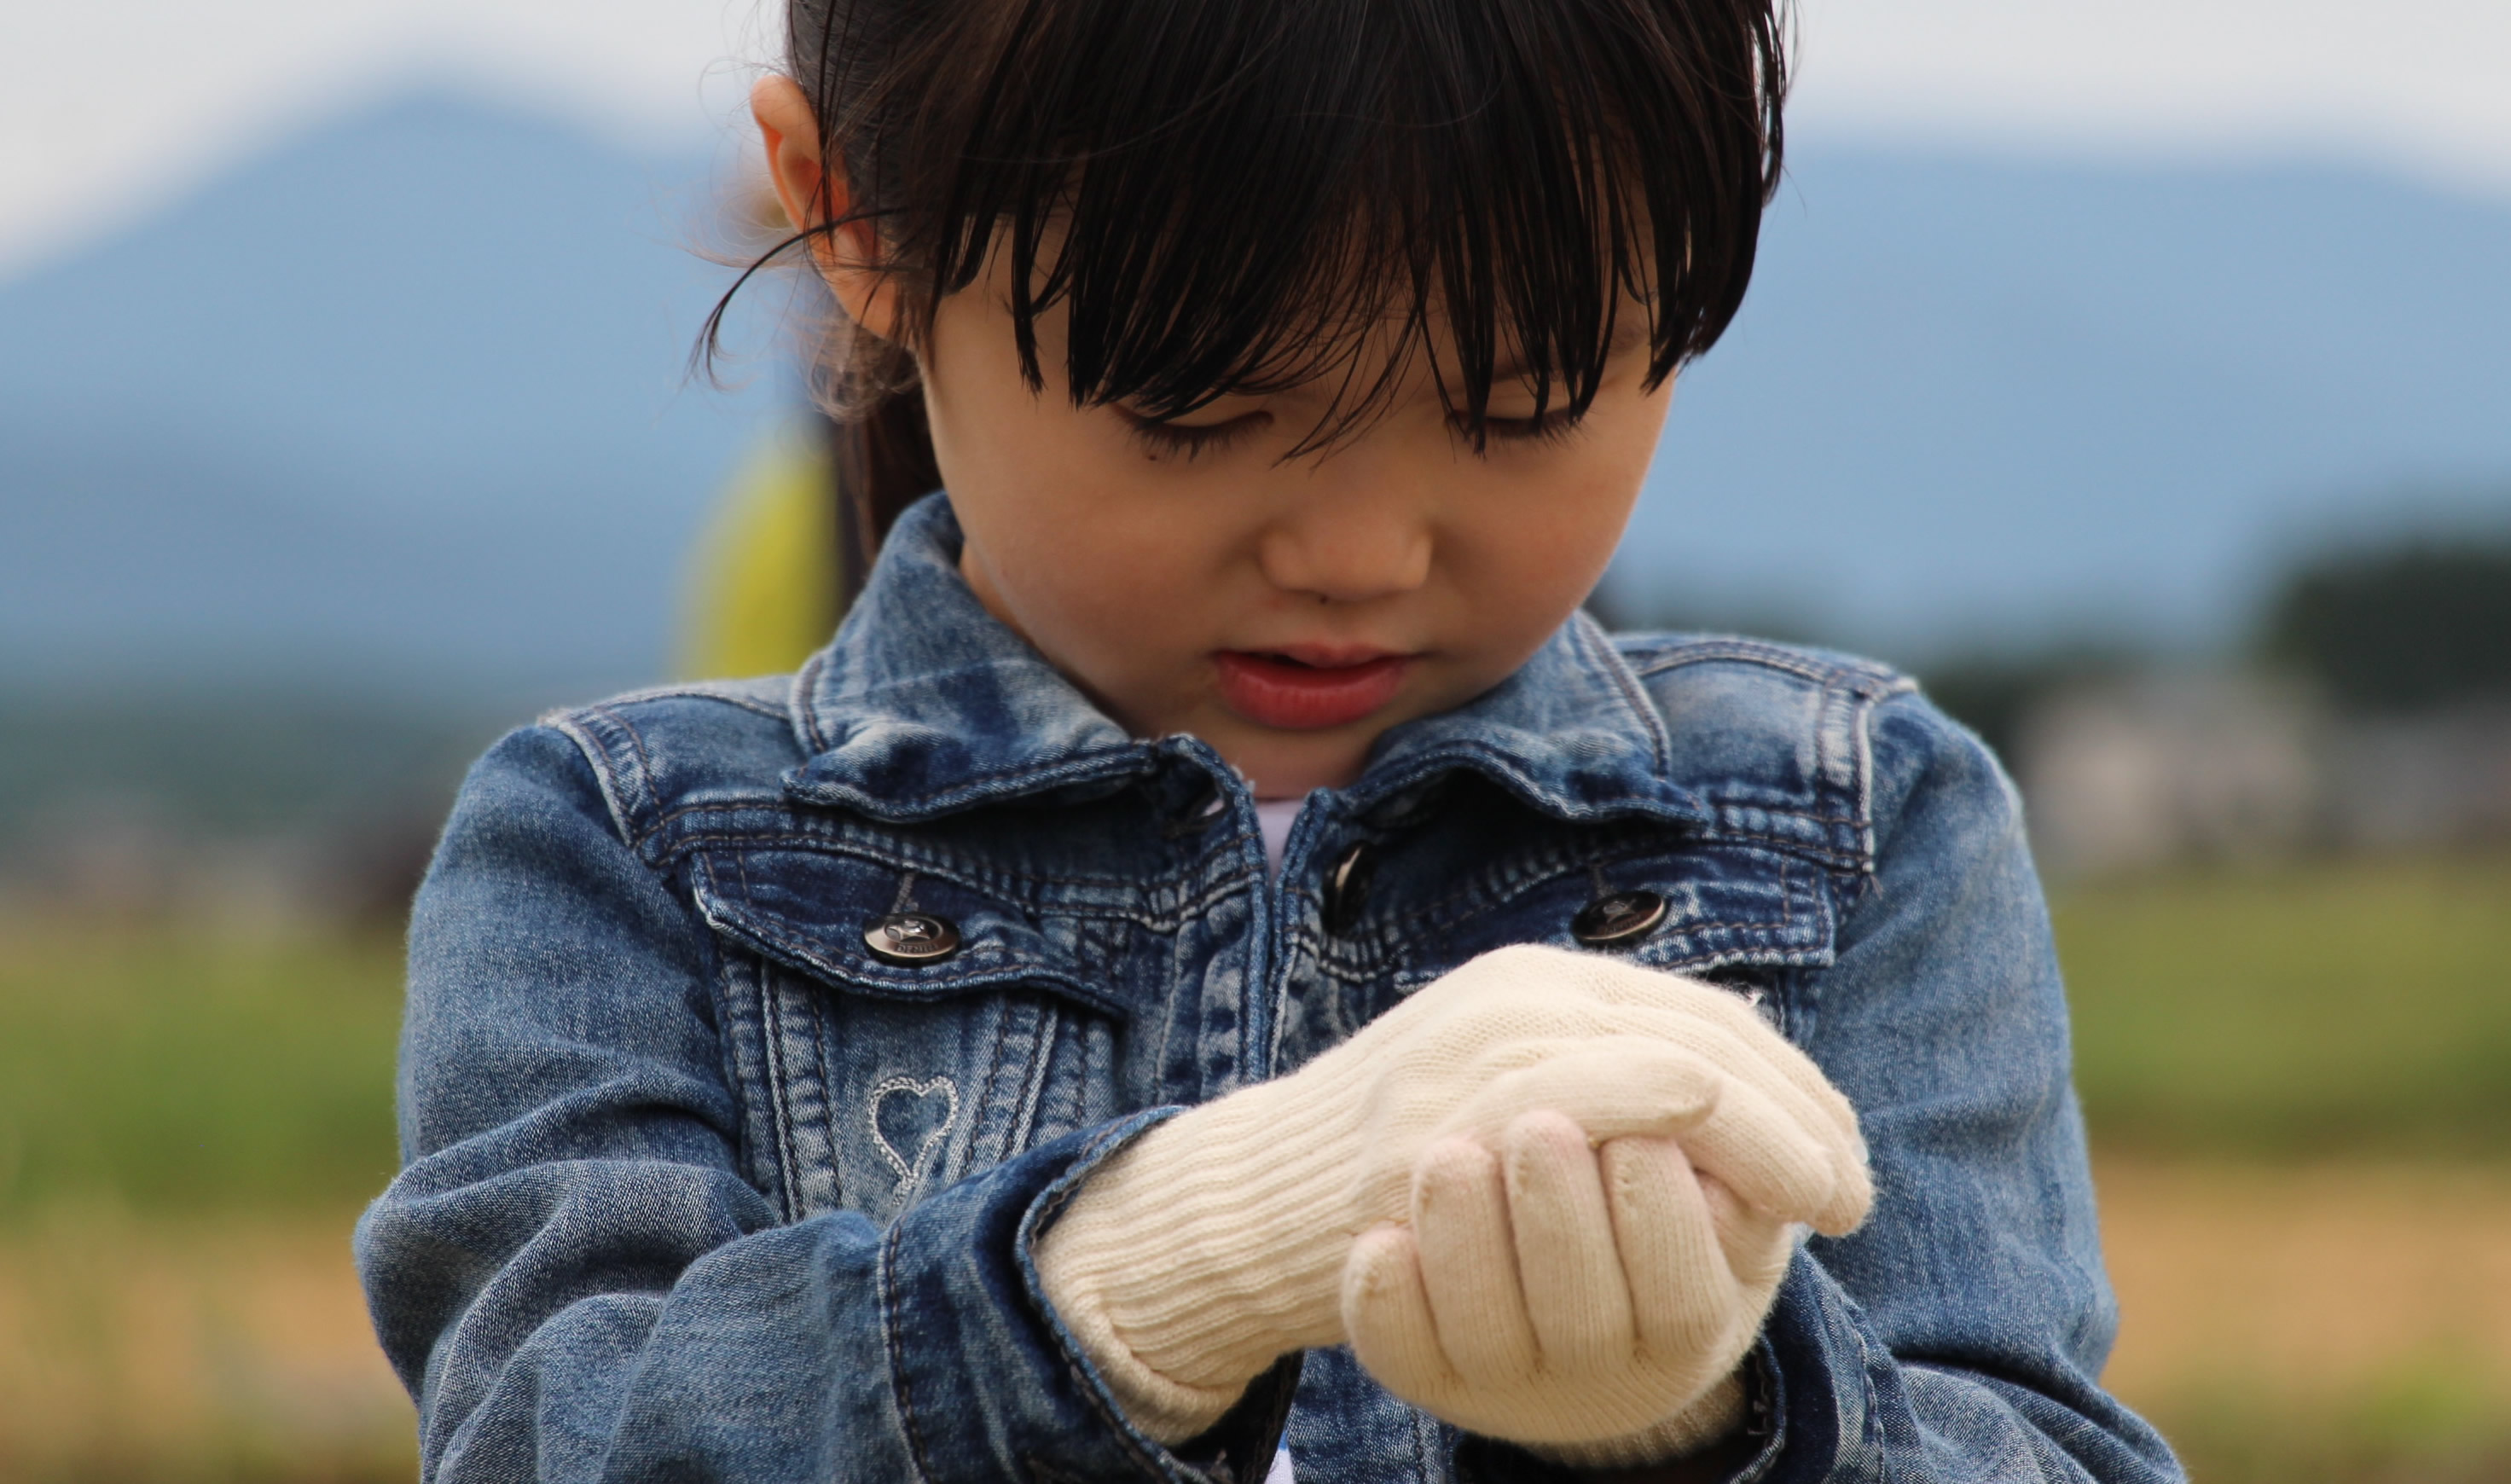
<point>1590,1305</point>
<point>1578,1281</point>
<point>1218,1241</point>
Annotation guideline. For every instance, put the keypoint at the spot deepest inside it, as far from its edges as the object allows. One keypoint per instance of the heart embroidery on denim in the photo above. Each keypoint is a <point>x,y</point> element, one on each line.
<point>909,1120</point>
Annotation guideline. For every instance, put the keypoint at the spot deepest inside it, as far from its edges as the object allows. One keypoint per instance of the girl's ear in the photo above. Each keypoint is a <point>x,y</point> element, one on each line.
<point>812,193</point>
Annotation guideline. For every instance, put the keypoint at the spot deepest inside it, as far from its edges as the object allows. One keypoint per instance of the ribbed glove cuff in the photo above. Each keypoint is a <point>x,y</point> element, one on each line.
<point>1716,1414</point>
<point>1194,1258</point>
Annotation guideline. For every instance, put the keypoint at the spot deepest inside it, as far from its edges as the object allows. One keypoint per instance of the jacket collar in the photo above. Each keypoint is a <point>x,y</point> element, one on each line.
<point>925,704</point>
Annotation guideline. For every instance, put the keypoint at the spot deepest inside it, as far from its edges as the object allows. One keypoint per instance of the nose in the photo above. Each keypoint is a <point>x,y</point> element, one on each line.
<point>1354,535</point>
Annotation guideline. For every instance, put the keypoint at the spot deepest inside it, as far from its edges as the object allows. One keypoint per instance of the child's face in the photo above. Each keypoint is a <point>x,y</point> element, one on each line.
<point>1287,613</point>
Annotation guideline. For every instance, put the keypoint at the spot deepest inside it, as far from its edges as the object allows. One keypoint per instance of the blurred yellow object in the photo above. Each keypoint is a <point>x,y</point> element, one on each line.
<point>765,587</point>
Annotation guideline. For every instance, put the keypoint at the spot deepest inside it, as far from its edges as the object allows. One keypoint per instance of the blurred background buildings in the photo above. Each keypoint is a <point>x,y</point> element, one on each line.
<point>2138,375</point>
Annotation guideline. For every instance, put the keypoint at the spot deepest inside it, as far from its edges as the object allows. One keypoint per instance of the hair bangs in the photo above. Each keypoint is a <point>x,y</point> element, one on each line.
<point>1221,196</point>
<point>1227,196</point>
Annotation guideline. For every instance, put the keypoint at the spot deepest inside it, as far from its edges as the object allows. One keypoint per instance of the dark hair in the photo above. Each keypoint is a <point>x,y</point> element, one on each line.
<point>1221,192</point>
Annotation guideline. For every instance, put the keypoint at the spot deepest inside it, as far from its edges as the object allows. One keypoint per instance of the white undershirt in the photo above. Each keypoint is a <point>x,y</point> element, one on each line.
<point>1274,817</point>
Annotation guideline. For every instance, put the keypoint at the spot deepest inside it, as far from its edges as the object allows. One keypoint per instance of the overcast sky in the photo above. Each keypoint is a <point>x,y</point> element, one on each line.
<point>105,106</point>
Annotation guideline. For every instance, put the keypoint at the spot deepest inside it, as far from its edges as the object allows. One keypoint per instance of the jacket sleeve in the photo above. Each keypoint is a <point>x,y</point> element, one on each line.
<point>575,1280</point>
<point>1960,1334</point>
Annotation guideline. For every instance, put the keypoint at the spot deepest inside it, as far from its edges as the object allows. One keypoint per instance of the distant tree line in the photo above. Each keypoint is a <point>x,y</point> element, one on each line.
<point>2417,623</point>
<point>2412,627</point>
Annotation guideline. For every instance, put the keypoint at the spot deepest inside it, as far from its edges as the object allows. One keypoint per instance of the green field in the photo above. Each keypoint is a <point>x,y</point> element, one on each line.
<point>2298,1012</point>
<point>174,1069</point>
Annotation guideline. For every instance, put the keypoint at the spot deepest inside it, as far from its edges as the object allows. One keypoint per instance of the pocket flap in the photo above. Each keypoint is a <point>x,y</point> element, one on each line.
<point>1726,906</point>
<point>809,911</point>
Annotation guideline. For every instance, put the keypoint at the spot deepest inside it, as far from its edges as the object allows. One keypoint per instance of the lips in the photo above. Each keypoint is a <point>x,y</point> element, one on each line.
<point>1308,689</point>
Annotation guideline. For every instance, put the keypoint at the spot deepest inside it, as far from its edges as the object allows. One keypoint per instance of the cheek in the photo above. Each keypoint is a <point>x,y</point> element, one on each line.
<point>1099,577</point>
<point>1111,588</point>
<point>1570,517</point>
<point>1540,540</point>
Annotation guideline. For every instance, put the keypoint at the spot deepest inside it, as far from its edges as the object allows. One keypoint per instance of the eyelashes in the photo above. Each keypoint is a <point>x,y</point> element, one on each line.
<point>1551,429</point>
<point>1190,441</point>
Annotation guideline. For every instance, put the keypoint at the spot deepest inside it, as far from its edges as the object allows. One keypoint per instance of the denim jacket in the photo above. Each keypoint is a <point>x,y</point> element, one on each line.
<point>698,1186</point>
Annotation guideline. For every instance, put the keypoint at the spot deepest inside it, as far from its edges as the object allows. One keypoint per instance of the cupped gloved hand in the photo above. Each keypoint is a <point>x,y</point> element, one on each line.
<point>1219,1240</point>
<point>1577,1277</point>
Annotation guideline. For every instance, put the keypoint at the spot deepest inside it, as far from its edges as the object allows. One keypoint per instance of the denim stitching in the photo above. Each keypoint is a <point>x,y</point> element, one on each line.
<point>1697,963</point>
<point>1820,674</point>
<point>1821,743</point>
<point>774,1020</point>
<point>1230,878</point>
<point>697,692</point>
<point>1425,1463</point>
<point>1806,815</point>
<point>734,1028</point>
<point>805,700</point>
<point>1437,920</point>
<point>1033,1086</point>
<point>645,772</point>
<point>820,1038</point>
<point>636,795</point>
<point>772,1015</point>
<point>910,1173</point>
<point>1539,870</point>
<point>1863,676</point>
<point>755,708</point>
<point>1736,925</point>
<point>1039,780</point>
<point>1009,972</point>
<point>596,757</point>
<point>1048,1209</point>
<point>1530,873</point>
<point>1866,782</point>
<point>982,880</point>
<point>829,843</point>
<point>1505,770</point>
<point>1005,888</point>
<point>1364,975</point>
<point>986,1097</point>
<point>897,1358</point>
<point>1634,696</point>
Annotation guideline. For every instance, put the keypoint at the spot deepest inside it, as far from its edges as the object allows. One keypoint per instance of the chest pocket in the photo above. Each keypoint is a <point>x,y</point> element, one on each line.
<point>868,1082</point>
<point>1741,915</point>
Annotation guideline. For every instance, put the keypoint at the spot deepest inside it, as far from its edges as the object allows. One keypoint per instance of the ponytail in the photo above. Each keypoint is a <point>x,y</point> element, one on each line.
<point>882,461</point>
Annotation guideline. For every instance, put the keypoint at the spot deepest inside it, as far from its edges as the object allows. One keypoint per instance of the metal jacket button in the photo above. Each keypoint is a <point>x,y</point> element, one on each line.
<point>1608,921</point>
<point>912,938</point>
<point>1347,886</point>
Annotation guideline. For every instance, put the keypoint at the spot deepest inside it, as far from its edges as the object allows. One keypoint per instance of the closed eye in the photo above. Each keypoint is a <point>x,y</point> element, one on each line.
<point>1191,440</point>
<point>1556,426</point>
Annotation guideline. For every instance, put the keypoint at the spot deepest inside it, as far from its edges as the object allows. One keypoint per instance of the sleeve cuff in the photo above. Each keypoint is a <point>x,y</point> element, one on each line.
<point>987,1386</point>
<point>1823,1379</point>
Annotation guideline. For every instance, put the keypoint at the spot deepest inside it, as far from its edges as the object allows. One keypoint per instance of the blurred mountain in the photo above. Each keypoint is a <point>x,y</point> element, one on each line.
<point>403,400</point>
<point>1974,403</point>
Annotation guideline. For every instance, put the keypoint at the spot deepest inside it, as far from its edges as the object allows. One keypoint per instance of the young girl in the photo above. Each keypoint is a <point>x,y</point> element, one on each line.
<point>1219,968</point>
